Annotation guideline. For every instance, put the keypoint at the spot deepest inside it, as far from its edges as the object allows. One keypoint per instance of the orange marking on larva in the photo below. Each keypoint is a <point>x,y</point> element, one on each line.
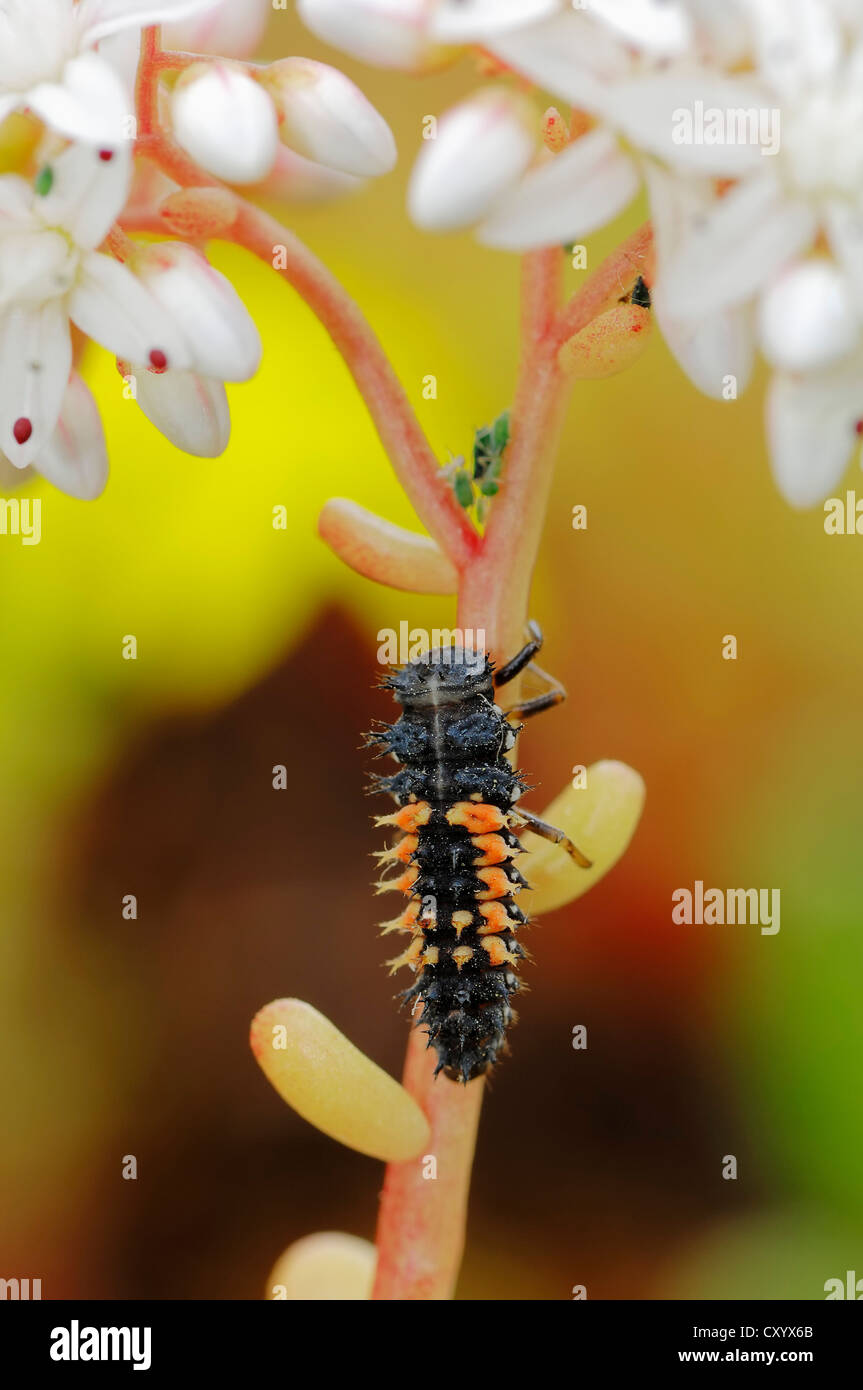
<point>498,951</point>
<point>407,880</point>
<point>409,957</point>
<point>409,817</point>
<point>407,921</point>
<point>405,848</point>
<point>462,920</point>
<point>477,819</point>
<point>494,849</point>
<point>496,919</point>
<point>430,955</point>
<point>461,955</point>
<point>400,852</point>
<point>499,885</point>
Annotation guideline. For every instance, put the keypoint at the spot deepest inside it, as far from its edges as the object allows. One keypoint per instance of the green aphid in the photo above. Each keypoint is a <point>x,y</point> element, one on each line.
<point>489,488</point>
<point>489,444</point>
<point>44,181</point>
<point>463,489</point>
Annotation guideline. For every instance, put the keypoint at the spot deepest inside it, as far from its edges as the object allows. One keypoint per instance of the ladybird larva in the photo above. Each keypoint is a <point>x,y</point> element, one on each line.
<point>456,795</point>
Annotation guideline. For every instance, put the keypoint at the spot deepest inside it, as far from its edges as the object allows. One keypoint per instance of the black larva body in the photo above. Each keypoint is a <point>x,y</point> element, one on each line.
<point>456,791</point>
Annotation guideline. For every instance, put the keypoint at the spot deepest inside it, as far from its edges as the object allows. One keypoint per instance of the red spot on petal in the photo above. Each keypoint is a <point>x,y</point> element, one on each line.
<point>22,430</point>
<point>158,360</point>
<point>106,155</point>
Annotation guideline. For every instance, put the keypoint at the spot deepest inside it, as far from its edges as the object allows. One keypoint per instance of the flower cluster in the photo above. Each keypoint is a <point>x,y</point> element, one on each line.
<point>742,120</point>
<point>176,326</point>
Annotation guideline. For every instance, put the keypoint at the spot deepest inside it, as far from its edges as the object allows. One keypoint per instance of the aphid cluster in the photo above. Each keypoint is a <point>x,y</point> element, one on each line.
<point>456,793</point>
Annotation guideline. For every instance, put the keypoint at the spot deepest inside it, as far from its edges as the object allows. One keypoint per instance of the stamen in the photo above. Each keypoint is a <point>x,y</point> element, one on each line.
<point>158,360</point>
<point>22,430</point>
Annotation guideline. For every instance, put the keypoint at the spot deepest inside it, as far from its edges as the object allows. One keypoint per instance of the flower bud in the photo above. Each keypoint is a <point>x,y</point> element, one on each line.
<point>218,331</point>
<point>189,409</point>
<point>326,118</point>
<point>392,34</point>
<point>482,147</point>
<point>230,29</point>
<point>226,121</point>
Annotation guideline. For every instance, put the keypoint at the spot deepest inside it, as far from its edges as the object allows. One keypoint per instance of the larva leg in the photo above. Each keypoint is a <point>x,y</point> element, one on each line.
<point>514,667</point>
<point>554,695</point>
<point>550,832</point>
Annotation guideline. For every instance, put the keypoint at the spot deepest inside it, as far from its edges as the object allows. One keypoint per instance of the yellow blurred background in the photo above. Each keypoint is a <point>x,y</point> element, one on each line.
<point>256,647</point>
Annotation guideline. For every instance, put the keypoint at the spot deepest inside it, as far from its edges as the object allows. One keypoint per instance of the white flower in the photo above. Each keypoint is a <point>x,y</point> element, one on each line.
<point>49,63</point>
<point>75,458</point>
<point>326,118</point>
<point>226,122</point>
<point>481,148</point>
<point>229,28</point>
<point>784,241</point>
<point>168,310</point>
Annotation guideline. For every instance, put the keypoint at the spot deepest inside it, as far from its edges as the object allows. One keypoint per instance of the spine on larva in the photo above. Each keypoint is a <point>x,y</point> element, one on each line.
<point>454,858</point>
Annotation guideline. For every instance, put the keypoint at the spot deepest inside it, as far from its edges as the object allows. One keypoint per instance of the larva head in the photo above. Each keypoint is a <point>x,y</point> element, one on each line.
<point>443,676</point>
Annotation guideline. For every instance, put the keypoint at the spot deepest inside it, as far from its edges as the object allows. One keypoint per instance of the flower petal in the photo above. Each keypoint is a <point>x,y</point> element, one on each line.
<point>453,21</point>
<point>335,1086</point>
<point>326,118</point>
<point>219,331</point>
<point>844,227</point>
<point>34,267</point>
<point>89,103</point>
<point>710,347</point>
<point>482,147</point>
<point>600,819</point>
<point>35,361</point>
<point>96,18</point>
<point>111,306</point>
<point>189,409</point>
<point>569,196</point>
<point>713,349</point>
<point>300,180</point>
<point>797,42</point>
<point>325,1266</point>
<point>658,27</point>
<point>806,317</point>
<point>735,248</point>
<point>226,121</point>
<point>16,199</point>
<point>812,424</point>
<point>75,458</point>
<point>88,192</point>
<point>568,55</point>
<point>676,115</point>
